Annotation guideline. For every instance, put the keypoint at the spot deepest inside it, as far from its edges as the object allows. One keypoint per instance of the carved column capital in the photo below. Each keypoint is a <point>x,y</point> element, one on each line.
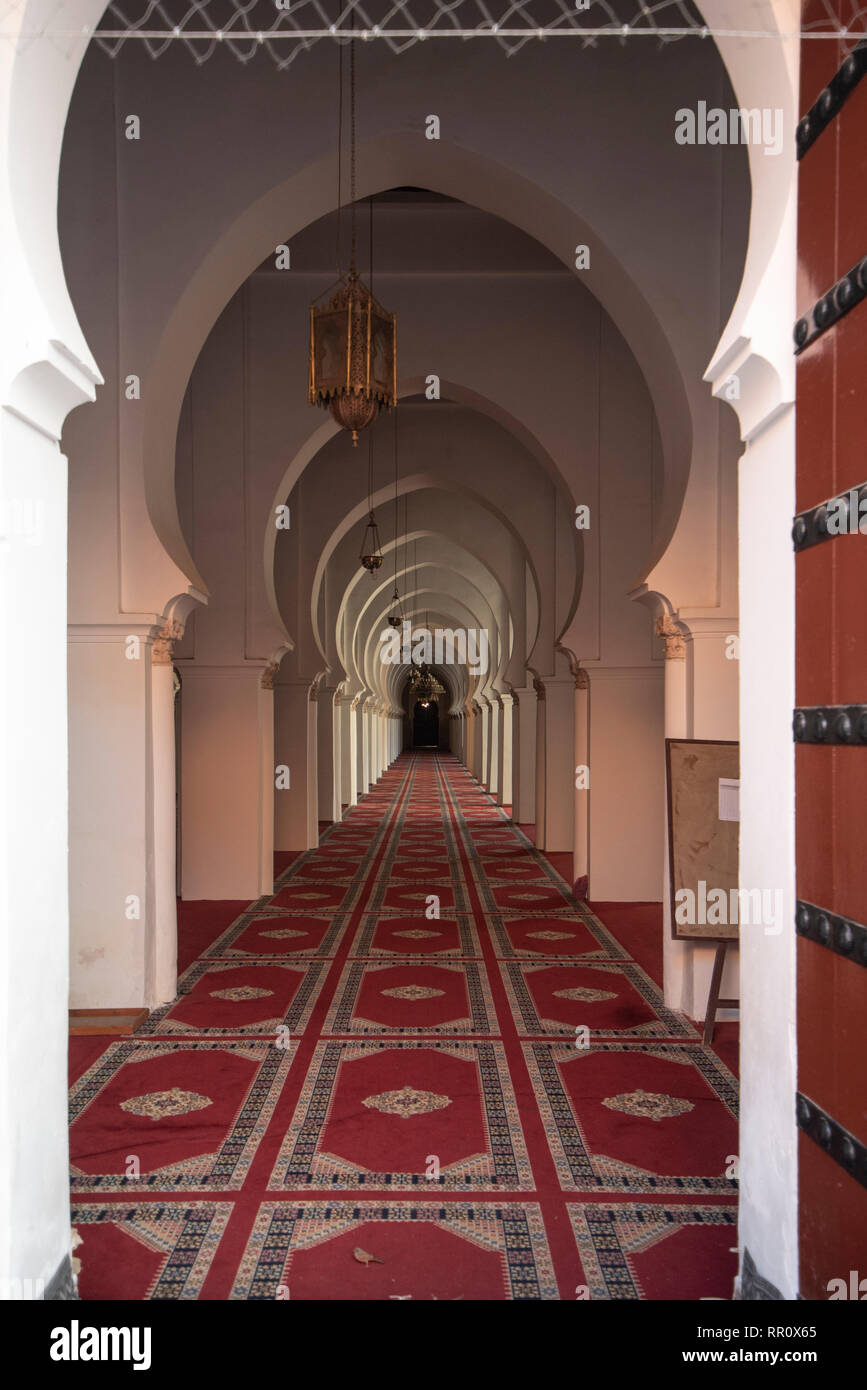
<point>672,636</point>
<point>582,680</point>
<point>539,688</point>
<point>161,651</point>
<point>268,675</point>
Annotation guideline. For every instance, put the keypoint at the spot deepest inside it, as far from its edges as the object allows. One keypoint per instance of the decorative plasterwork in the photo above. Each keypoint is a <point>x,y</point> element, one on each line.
<point>161,652</point>
<point>673,638</point>
<point>269,674</point>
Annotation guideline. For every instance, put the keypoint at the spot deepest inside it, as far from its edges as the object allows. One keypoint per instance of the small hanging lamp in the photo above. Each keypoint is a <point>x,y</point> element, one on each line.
<point>395,618</point>
<point>353,339</point>
<point>371,550</point>
<point>371,555</point>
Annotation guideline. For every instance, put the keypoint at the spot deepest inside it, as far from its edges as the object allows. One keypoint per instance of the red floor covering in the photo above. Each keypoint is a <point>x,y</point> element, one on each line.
<point>419,1048</point>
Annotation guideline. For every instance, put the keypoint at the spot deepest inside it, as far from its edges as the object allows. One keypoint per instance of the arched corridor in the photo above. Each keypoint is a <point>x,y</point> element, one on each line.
<point>432,723</point>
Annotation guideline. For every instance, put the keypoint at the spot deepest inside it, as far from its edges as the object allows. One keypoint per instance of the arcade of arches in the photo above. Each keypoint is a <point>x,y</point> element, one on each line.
<point>564,473</point>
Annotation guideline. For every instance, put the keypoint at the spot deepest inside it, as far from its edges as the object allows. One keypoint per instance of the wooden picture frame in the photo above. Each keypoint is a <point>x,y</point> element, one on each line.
<point>702,849</point>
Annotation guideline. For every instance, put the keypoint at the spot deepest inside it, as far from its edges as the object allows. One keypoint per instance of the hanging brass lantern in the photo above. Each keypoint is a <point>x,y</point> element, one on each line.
<point>353,359</point>
<point>371,555</point>
<point>353,351</point>
<point>394,619</point>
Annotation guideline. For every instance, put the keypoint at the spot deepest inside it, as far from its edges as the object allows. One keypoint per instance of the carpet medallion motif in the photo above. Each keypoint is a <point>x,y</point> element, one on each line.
<point>412,992</point>
<point>157,1105</point>
<point>648,1106</point>
<point>406,1102</point>
<point>585,996</point>
<point>241,992</point>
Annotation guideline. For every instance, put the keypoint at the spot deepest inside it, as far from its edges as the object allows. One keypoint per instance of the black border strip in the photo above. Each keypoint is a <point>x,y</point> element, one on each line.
<point>811,527</point>
<point>838,1143</point>
<point>841,935</point>
<point>834,305</point>
<point>830,724</point>
<point>831,99</point>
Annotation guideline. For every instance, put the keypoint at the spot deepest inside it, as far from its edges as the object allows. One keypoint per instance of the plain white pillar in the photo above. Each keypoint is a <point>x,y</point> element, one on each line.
<point>292,718</point>
<point>164,969</point>
<point>676,955</point>
<point>524,756</point>
<point>541,765</point>
<point>111,845</point>
<point>506,712</point>
<point>494,784</point>
<point>581,757</point>
<point>227,790</point>
<point>559,770</point>
<point>328,755</point>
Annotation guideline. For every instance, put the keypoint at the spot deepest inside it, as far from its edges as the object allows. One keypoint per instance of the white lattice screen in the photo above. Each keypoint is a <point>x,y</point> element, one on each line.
<point>284,28</point>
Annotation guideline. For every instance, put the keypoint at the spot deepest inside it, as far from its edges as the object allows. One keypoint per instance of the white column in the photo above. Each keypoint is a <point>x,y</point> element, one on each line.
<point>524,756</point>
<point>494,763</point>
<point>581,798</point>
<point>481,751</point>
<point>676,956</point>
<point>227,823</point>
<point>292,716</point>
<point>313,767</point>
<point>540,779</point>
<point>768,1217</point>
<point>559,770</point>
<point>111,824</point>
<point>470,738</point>
<point>34,867</point>
<point>393,733</point>
<point>345,728</point>
<point>357,752</point>
<point>328,758</point>
<point>267,761</point>
<point>165,946</point>
<point>506,710</point>
<point>366,770</point>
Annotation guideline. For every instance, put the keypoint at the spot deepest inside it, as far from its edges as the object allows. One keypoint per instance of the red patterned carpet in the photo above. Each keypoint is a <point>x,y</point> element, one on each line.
<point>419,1047</point>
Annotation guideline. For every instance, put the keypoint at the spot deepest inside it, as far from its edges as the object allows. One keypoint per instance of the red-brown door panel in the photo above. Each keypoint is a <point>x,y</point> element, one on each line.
<point>832,1059</point>
<point>831,669</point>
<point>833,1221</point>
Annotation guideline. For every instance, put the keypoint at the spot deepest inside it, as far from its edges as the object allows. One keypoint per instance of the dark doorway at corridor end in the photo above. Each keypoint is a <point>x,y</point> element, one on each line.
<point>425,724</point>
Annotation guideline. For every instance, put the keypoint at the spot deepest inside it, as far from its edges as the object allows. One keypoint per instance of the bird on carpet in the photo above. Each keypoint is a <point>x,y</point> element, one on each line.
<point>365,1258</point>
